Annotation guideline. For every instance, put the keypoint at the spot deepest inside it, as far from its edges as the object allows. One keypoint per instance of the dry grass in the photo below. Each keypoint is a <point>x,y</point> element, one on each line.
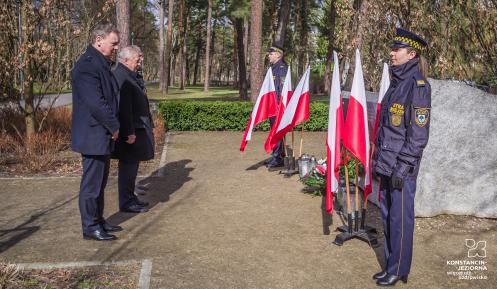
<point>111,276</point>
<point>47,151</point>
<point>39,152</point>
<point>8,273</point>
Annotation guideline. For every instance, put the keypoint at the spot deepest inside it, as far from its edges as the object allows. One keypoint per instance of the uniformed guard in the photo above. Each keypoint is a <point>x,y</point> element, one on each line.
<point>402,136</point>
<point>279,68</point>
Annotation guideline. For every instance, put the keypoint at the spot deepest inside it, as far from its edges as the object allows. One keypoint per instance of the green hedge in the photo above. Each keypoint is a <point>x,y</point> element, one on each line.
<point>185,115</point>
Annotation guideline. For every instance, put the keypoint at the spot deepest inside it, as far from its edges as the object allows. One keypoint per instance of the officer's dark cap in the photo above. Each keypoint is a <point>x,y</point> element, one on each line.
<point>405,38</point>
<point>275,48</point>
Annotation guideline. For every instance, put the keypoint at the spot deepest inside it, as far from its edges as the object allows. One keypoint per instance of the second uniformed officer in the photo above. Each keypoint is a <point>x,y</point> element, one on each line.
<point>402,136</point>
<point>279,69</point>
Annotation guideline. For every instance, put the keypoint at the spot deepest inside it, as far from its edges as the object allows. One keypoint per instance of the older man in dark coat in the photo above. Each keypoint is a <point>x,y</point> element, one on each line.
<point>95,127</point>
<point>136,141</point>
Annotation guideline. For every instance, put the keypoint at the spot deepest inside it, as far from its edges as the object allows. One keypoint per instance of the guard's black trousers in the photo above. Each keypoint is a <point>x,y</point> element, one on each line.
<point>397,211</point>
<point>277,154</point>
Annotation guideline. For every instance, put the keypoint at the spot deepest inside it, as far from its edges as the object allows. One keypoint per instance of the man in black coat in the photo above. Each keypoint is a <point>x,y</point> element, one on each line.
<point>136,141</point>
<point>95,127</point>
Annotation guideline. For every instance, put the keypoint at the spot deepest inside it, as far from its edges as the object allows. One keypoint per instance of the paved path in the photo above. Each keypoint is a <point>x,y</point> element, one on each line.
<point>220,220</point>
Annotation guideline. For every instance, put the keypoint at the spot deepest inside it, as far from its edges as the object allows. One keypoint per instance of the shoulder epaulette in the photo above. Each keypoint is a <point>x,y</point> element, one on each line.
<point>420,81</point>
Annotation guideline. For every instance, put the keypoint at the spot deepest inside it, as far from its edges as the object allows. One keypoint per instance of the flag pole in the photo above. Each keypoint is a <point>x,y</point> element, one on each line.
<point>284,146</point>
<point>301,139</point>
<point>347,185</point>
<point>365,201</point>
<point>293,144</point>
<point>356,203</point>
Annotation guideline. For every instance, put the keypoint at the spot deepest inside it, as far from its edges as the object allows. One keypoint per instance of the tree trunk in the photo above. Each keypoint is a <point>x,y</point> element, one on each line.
<point>246,29</point>
<point>208,46</point>
<point>362,9</point>
<point>302,21</point>
<point>169,43</point>
<point>184,52</point>
<point>27,85</point>
<point>235,56</point>
<point>162,61</point>
<point>122,16</point>
<point>255,48</point>
<point>279,38</point>
<point>197,59</point>
<point>242,69</point>
<point>331,45</point>
<point>180,44</point>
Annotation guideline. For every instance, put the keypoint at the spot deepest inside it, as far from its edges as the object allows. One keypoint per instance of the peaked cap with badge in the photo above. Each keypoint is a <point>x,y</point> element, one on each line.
<point>405,38</point>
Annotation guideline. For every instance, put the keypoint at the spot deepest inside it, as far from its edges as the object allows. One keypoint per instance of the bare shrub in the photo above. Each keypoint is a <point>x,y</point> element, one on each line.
<point>58,119</point>
<point>40,152</point>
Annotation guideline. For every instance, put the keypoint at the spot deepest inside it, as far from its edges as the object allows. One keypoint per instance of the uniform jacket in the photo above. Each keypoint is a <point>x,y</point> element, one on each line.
<point>135,118</point>
<point>279,70</point>
<point>404,122</point>
<point>95,103</point>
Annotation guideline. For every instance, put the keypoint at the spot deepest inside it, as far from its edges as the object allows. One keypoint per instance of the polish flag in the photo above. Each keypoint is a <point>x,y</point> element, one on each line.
<point>356,134</point>
<point>286,95</point>
<point>265,107</point>
<point>335,129</point>
<point>385,83</point>
<point>286,92</point>
<point>297,110</point>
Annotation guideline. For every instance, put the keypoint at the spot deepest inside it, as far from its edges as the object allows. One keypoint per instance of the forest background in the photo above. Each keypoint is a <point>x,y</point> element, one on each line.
<point>223,42</point>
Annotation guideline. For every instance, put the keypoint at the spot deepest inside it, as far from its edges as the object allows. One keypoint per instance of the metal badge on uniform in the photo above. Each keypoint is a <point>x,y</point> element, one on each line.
<point>396,119</point>
<point>422,116</point>
<point>397,112</point>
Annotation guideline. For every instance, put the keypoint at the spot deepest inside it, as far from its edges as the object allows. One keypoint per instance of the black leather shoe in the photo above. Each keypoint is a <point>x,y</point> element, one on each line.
<point>267,161</point>
<point>140,203</point>
<point>99,235</point>
<point>380,275</point>
<point>390,280</point>
<point>275,164</point>
<point>135,208</point>
<point>108,227</point>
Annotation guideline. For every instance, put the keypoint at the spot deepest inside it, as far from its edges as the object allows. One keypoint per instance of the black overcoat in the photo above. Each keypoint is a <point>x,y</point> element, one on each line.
<point>94,104</point>
<point>134,117</point>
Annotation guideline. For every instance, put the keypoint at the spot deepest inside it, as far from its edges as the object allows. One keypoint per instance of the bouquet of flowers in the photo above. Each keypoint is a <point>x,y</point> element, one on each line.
<point>315,180</point>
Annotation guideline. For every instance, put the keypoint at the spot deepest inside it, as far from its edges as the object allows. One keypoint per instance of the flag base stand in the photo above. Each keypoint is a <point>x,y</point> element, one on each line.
<point>289,170</point>
<point>349,232</point>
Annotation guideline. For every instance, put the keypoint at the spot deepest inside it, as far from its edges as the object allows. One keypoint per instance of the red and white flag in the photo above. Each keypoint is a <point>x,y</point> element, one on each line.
<point>356,134</point>
<point>297,109</point>
<point>286,95</point>
<point>335,129</point>
<point>385,83</point>
<point>265,107</point>
<point>286,92</point>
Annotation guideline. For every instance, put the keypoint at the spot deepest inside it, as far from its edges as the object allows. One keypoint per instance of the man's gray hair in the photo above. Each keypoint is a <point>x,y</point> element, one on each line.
<point>103,30</point>
<point>128,52</point>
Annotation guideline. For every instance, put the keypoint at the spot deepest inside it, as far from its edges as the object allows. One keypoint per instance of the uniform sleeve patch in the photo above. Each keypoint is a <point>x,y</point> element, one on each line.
<point>420,82</point>
<point>422,116</point>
